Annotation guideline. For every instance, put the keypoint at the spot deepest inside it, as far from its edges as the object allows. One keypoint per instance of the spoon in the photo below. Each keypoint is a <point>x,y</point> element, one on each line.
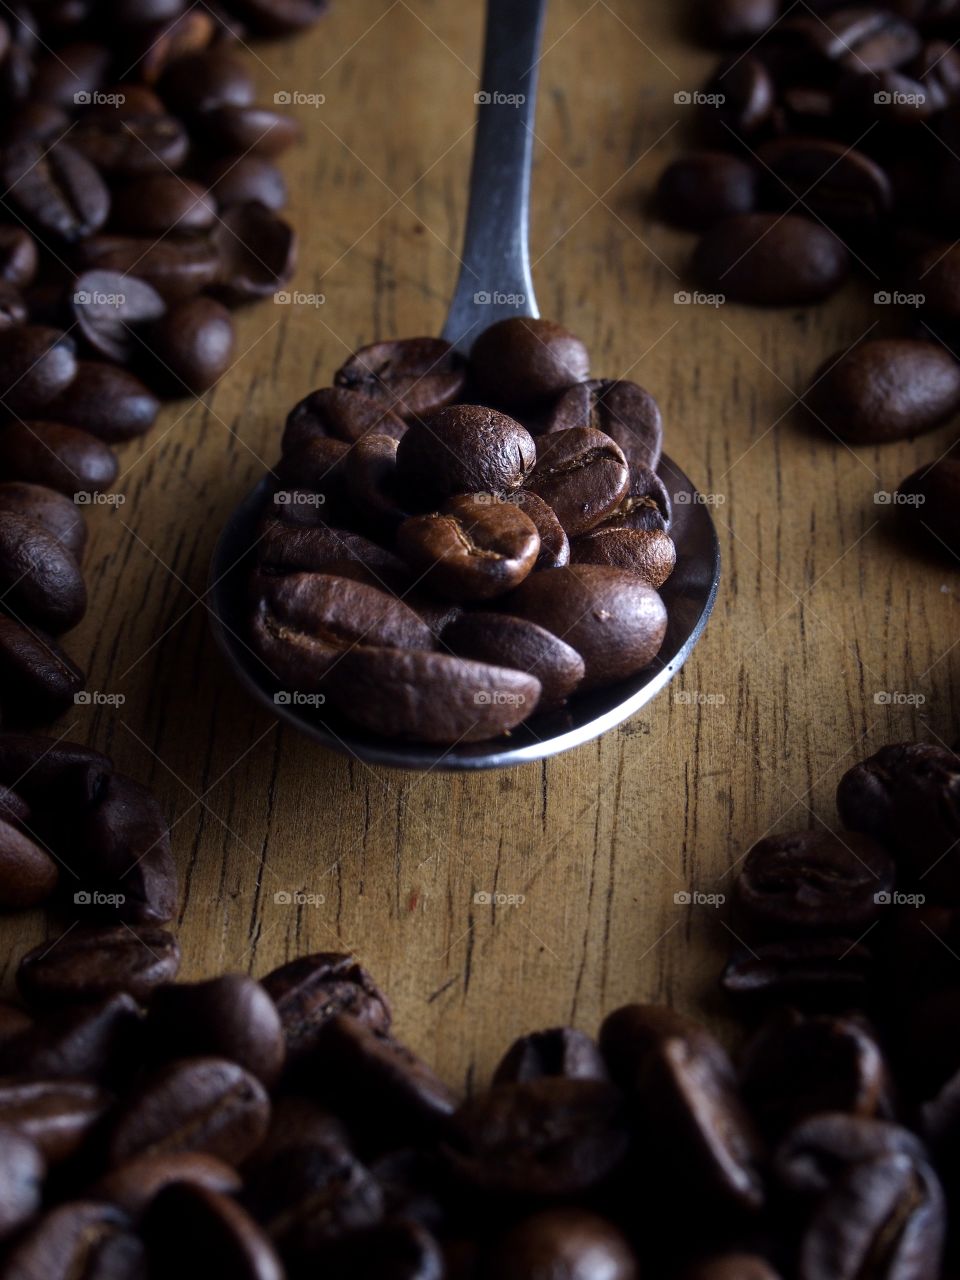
<point>494,282</point>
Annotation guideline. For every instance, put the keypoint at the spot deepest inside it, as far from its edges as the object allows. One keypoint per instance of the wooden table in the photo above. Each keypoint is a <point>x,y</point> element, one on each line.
<point>819,608</point>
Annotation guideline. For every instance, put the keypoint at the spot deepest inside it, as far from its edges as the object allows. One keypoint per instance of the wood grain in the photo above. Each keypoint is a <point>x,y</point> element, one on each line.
<point>819,610</point>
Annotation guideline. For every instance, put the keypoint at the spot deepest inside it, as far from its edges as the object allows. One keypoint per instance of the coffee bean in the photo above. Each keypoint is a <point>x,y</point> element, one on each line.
<point>59,457</point>
<point>129,146</point>
<point>736,22</point>
<point>22,1171</point>
<point>109,403</point>
<point>615,622</point>
<point>155,47</point>
<point>650,554</point>
<point>521,361</point>
<point>771,260</point>
<point>857,38</point>
<point>813,881</point>
<point>56,189</point>
<point>133,1186</point>
<point>732,1266</point>
<point>28,875</point>
<point>176,267</point>
<point>90,963</point>
<point>202,81</point>
<point>432,697</point>
<point>568,1242</point>
<point>646,505</point>
<point>335,411</point>
<point>700,189</point>
<point>99,1042</point>
<point>317,465</point>
<point>626,413</point>
<point>286,549</point>
<point>56,513</point>
<point>196,1104</point>
<point>834,182</point>
<point>257,250</point>
<point>223,1237</point>
<point>867,793</point>
<point>75,69</point>
<point>411,377</point>
<point>582,474</point>
<point>554,543</point>
<point>465,449</point>
<point>39,579</point>
<point>828,973</point>
<point>281,17</point>
<point>35,364</point>
<point>34,121</point>
<point>245,131</point>
<point>885,389</point>
<point>550,1137</point>
<point>13,308</point>
<point>249,180</point>
<point>399,1249</point>
<point>562,1051</point>
<point>473,548</point>
<point>110,307</point>
<point>737,101</point>
<point>161,203</point>
<point>194,344</point>
<point>311,990</point>
<point>39,680</point>
<point>57,1115</point>
<point>505,641</point>
<point>53,773</point>
<point>15,810</point>
<point>930,509</point>
<point>79,1239</point>
<point>18,256</point>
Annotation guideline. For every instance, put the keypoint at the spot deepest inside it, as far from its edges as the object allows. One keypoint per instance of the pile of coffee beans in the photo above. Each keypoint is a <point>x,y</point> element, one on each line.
<point>829,143</point>
<point>452,546</point>
<point>140,200</point>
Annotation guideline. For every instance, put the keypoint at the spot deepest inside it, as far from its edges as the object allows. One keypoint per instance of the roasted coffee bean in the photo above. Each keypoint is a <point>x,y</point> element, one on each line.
<point>157,47</point>
<point>650,554</point>
<point>737,102</point>
<point>176,267</point>
<point>582,474</point>
<point>410,377</point>
<point>28,875</point>
<point>857,38</point>
<point>465,449</point>
<point>813,973</point>
<point>798,1066</point>
<point>227,1017</point>
<point>626,413</point>
<point>297,1121</point>
<point>213,78</point>
<point>129,146</point>
<point>39,680</point>
<point>250,130</point>
<point>80,1238</point>
<point>13,309</point>
<point>732,1266</point>
<point>931,508</point>
<point>35,365</point>
<point>56,513</point>
<point>397,1248</point>
<point>930,1058</point>
<point>614,621</point>
<point>431,697</point>
<point>90,963</point>
<point>194,344</point>
<point>311,990</point>
<point>161,203</point>
<point>75,69</point>
<point>249,180</point>
<point>110,403</point>
<point>286,549</point>
<point>867,793</point>
<point>18,256</point>
<point>35,122</point>
<point>550,1137</point>
<point>699,189</point>
<point>335,411</point>
<point>813,881</point>
<point>474,548</point>
<point>771,260</point>
<point>195,1104</point>
<point>281,17</point>
<point>15,810</point>
<point>561,1051</point>
<point>100,1041</point>
<point>521,362</point>
<point>317,465</point>
<point>56,189</point>
<point>567,1242</point>
<point>39,579</point>
<point>58,1115</point>
<point>59,457</point>
<point>834,182</point>
<point>110,307</point>
<point>885,389</point>
<point>257,251</point>
<point>222,1235</point>
<point>371,475</point>
<point>736,22</point>
<point>646,506</point>
<point>505,641</point>
<point>53,774</point>
<point>133,1186</point>
<point>22,1171</point>
<point>554,543</point>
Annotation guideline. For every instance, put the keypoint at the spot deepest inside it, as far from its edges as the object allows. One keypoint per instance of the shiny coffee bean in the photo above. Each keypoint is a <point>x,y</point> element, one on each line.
<point>582,474</point>
<point>161,203</point>
<point>133,1186</point>
<point>345,415</point>
<point>28,875</point>
<point>177,268</point>
<point>614,621</point>
<point>56,513</point>
<point>856,38</point>
<point>501,640</point>
<point>257,252</point>
<point>57,456</point>
<point>52,773</point>
<point>736,22</point>
<point>36,363</point>
<point>626,413</point>
<point>15,810</point>
<point>57,1115</point>
<point>867,793</point>
<point>521,362</point>
<point>464,449</point>
<point>561,1051</point>
<point>90,963</point>
<point>18,256</point>
<point>650,554</point>
<point>813,973</point>
<point>56,189</point>
<point>834,182</point>
<point>738,101</point>
<point>109,403</point>
<point>110,307</point>
<point>281,17</point>
<point>245,130</point>
<point>931,508</point>
<point>554,543</point>
<point>80,1238</point>
<point>317,465</point>
<point>568,1242</point>
<point>223,1237</point>
<point>771,260</point>
<point>39,680</point>
<point>370,470</point>
<point>22,1171</point>
<point>100,1041</point>
<point>249,180</point>
<point>700,189</point>
<point>284,548</point>
<point>297,1121</point>
<point>155,46</point>
<point>202,81</point>
<point>311,990</point>
<point>129,146</point>
<point>39,579</point>
<point>411,377</point>
<point>194,345</point>
<point>885,389</point>
<point>13,308</point>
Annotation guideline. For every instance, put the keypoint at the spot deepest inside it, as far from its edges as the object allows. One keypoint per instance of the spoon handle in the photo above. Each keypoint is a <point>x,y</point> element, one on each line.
<point>495,279</point>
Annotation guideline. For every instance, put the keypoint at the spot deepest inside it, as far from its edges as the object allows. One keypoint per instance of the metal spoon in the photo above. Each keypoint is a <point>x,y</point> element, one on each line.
<point>494,282</point>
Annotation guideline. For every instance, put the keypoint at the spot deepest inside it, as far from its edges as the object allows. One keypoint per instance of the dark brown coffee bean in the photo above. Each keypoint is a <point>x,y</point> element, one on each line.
<point>410,377</point>
<point>737,102</point>
<point>398,1249</point>
<point>258,253</point>
<point>474,548</point>
<point>39,579</point>
<point>57,1115</point>
<point>28,875</point>
<point>334,411</point>
<point>50,509</point>
<point>813,881</point>
<point>281,17</point>
<point>56,189</point>
<point>561,1051</point>
<point>645,507</point>
<point>699,189</point>
<point>311,990</point>
<point>79,1239</point>
<point>545,1138</point>
<point>222,1236</point>
<point>110,307</point>
<point>818,974</point>
<point>59,457</point>
<point>885,389</point>
<point>202,81</point>
<point>100,1041</point>
<point>626,413</point>
<point>35,364</point>
<point>317,465</point>
<point>771,260</point>
<point>249,180</point>
<point>157,46</point>
<point>554,543</point>
<point>161,203</point>
<point>250,130</point>
<point>176,267</point>
<point>650,554</point>
<point>194,344</point>
<point>867,793</point>
<point>371,477</point>
<point>732,1266</point>
<point>582,474</point>
<point>18,256</point>
<point>22,1171</point>
<point>736,22</point>
<point>505,641</point>
<point>196,1104</point>
<point>613,620</point>
<point>87,964</point>
<point>932,494</point>
<point>297,1121</point>
<point>71,75</point>
<point>834,182</point>
<point>129,146</point>
<point>133,1186</point>
<point>569,1242</point>
<point>521,362</point>
<point>283,548</point>
<point>35,121</point>
<point>15,810</point>
<point>40,681</point>
<point>13,308</point>
<point>108,402</point>
<point>431,697</point>
<point>53,773</point>
<point>858,38</point>
<point>465,449</point>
